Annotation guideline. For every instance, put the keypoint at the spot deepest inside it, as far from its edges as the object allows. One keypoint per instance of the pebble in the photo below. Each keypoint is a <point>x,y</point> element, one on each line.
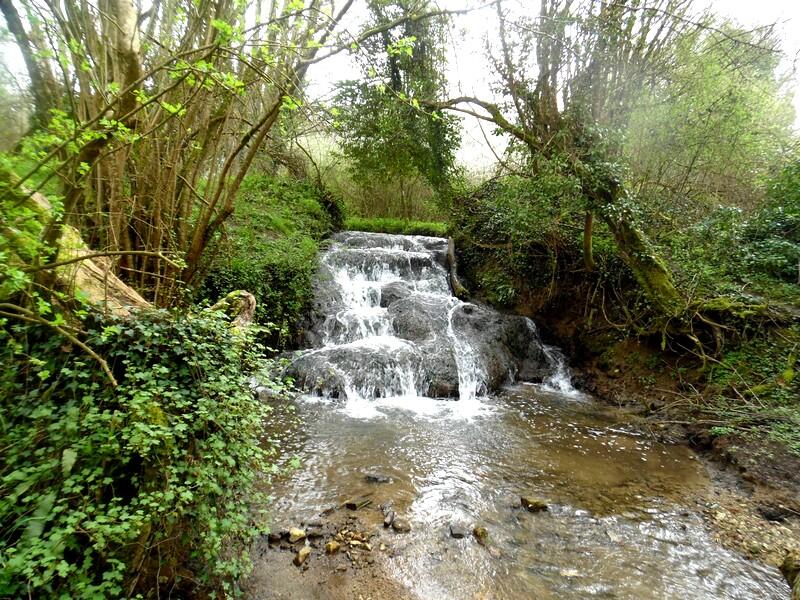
<point>401,525</point>
<point>302,555</point>
<point>481,534</point>
<point>457,531</point>
<point>332,547</point>
<point>533,504</point>
<point>295,535</point>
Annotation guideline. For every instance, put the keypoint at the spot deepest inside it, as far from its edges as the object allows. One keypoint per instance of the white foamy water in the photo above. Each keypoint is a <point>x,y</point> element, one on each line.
<point>391,335</point>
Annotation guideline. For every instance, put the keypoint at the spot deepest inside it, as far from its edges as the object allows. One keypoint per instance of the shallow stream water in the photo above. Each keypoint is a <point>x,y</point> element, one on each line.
<point>621,523</point>
<point>622,519</point>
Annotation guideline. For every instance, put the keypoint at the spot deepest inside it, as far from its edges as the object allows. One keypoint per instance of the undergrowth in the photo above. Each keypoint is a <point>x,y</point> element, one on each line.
<point>397,226</point>
<point>107,492</point>
<point>271,250</point>
<point>754,389</point>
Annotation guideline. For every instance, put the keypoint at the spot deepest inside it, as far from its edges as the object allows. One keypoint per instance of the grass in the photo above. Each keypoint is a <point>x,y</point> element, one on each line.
<point>397,226</point>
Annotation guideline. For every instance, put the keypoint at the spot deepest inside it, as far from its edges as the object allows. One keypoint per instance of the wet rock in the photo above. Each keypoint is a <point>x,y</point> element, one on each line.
<point>357,503</point>
<point>332,547</point>
<point>457,531</point>
<point>400,525</point>
<point>295,535</point>
<point>302,555</point>
<point>533,504</point>
<point>389,519</point>
<point>377,478</point>
<point>394,291</point>
<point>481,534</point>
<point>775,513</point>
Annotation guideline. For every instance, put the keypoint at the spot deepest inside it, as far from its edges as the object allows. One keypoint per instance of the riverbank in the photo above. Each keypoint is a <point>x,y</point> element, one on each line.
<point>754,506</point>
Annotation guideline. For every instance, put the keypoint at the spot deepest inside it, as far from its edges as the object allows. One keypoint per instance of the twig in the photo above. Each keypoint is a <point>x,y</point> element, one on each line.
<point>92,255</point>
<point>24,314</point>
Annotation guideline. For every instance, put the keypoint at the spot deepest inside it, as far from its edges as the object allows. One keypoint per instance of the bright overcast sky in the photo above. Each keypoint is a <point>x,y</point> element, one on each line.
<point>468,68</point>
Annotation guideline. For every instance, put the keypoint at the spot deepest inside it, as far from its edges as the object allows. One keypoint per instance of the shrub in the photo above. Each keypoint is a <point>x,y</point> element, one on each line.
<point>108,491</point>
<point>272,248</point>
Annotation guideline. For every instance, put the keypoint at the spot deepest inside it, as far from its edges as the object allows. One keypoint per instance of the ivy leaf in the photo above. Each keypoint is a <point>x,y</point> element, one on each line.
<point>39,518</point>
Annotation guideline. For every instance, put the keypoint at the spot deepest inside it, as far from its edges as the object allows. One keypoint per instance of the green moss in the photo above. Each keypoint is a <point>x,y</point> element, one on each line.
<point>271,251</point>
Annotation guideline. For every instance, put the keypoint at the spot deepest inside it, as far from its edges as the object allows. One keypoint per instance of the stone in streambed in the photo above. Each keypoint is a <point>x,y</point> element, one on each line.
<point>302,555</point>
<point>295,535</point>
<point>389,519</point>
<point>481,534</point>
<point>401,525</point>
<point>332,547</point>
<point>533,504</point>
<point>357,503</point>
<point>791,570</point>
<point>457,531</point>
<point>377,478</point>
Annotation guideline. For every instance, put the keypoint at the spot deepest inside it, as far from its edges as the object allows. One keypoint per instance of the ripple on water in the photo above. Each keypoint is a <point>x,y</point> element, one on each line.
<point>619,525</point>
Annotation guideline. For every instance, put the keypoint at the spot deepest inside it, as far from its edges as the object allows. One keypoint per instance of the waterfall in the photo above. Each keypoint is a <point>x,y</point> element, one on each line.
<point>386,325</point>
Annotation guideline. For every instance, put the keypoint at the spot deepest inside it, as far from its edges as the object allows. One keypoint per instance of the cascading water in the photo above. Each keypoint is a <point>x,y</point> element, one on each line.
<point>387,325</point>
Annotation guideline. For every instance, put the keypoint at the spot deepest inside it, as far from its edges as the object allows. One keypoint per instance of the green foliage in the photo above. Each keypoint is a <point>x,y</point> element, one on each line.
<point>731,251</point>
<point>385,131</point>
<point>756,390</point>
<point>271,250</point>
<point>714,130</point>
<point>387,138</point>
<point>397,226</point>
<point>524,233</point>
<point>104,489</point>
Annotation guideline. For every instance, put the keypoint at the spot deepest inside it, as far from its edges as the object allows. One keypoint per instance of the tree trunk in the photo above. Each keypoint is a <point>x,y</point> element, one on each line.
<point>650,270</point>
<point>41,80</point>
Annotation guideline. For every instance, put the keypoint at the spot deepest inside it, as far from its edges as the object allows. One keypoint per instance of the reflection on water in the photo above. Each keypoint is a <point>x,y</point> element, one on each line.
<point>619,524</point>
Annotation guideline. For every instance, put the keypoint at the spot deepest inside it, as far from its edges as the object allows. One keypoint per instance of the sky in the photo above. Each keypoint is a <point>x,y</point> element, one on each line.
<point>469,73</point>
<point>468,68</point>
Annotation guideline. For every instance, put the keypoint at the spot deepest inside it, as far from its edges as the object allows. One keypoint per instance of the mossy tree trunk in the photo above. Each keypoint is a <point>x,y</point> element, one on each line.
<point>649,269</point>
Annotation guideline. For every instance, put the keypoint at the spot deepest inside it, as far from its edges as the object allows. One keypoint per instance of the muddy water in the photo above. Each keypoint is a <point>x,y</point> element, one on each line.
<point>622,521</point>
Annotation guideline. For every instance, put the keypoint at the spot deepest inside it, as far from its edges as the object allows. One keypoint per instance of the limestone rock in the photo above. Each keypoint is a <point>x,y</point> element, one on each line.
<point>302,555</point>
<point>401,525</point>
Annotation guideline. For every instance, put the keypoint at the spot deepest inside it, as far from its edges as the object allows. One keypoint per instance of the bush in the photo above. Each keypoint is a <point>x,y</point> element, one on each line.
<point>108,491</point>
<point>271,252</point>
<point>730,250</point>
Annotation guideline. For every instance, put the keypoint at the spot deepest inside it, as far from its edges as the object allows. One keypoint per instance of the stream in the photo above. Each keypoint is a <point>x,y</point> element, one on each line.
<point>450,412</point>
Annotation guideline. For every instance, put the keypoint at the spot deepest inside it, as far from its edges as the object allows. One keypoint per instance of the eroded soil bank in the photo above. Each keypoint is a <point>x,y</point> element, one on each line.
<point>627,516</point>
